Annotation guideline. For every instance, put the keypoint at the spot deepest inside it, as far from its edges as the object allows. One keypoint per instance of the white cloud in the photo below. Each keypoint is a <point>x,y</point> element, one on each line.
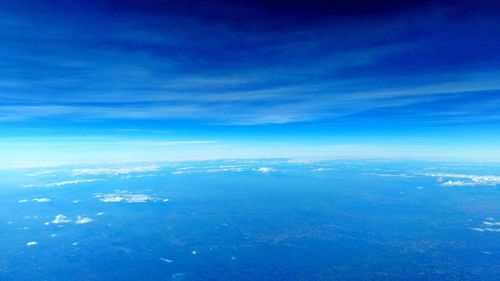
<point>32,243</point>
<point>115,171</point>
<point>41,200</point>
<point>61,183</point>
<point>457,183</point>
<point>82,220</point>
<point>487,229</point>
<point>211,169</point>
<point>265,170</point>
<point>60,219</point>
<point>489,225</point>
<point>127,197</point>
<point>233,168</point>
<point>167,260</point>
<point>100,214</point>
<point>323,169</point>
<point>391,175</point>
<point>464,179</point>
<point>224,169</point>
<point>38,200</point>
<point>185,168</point>
<point>41,173</point>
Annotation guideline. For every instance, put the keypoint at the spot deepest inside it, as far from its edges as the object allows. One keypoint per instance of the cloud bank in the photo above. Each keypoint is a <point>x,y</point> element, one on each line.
<point>464,179</point>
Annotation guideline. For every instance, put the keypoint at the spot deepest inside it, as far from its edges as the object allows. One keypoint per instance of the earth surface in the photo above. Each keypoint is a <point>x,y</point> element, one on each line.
<point>272,219</point>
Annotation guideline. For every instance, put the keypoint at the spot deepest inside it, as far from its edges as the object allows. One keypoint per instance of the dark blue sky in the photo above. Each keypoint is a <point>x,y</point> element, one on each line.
<point>372,72</point>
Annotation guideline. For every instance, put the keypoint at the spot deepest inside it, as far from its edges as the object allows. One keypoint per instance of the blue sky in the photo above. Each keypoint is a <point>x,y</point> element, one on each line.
<point>403,78</point>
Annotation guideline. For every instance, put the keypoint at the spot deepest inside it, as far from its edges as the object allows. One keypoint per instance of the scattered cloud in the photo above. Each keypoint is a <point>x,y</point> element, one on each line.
<point>464,179</point>
<point>120,196</point>
<point>32,243</point>
<point>83,220</point>
<point>61,219</point>
<point>488,225</point>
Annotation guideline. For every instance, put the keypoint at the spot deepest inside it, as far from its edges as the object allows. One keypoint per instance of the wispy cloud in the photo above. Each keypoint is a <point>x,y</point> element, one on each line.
<point>115,171</point>
<point>38,200</point>
<point>275,106</point>
<point>61,183</point>
<point>214,72</point>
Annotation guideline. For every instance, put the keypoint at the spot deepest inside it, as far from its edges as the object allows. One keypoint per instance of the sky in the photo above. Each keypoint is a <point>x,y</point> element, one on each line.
<point>92,81</point>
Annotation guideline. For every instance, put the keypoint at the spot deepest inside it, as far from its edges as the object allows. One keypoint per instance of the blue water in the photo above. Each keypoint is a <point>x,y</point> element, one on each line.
<point>336,220</point>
